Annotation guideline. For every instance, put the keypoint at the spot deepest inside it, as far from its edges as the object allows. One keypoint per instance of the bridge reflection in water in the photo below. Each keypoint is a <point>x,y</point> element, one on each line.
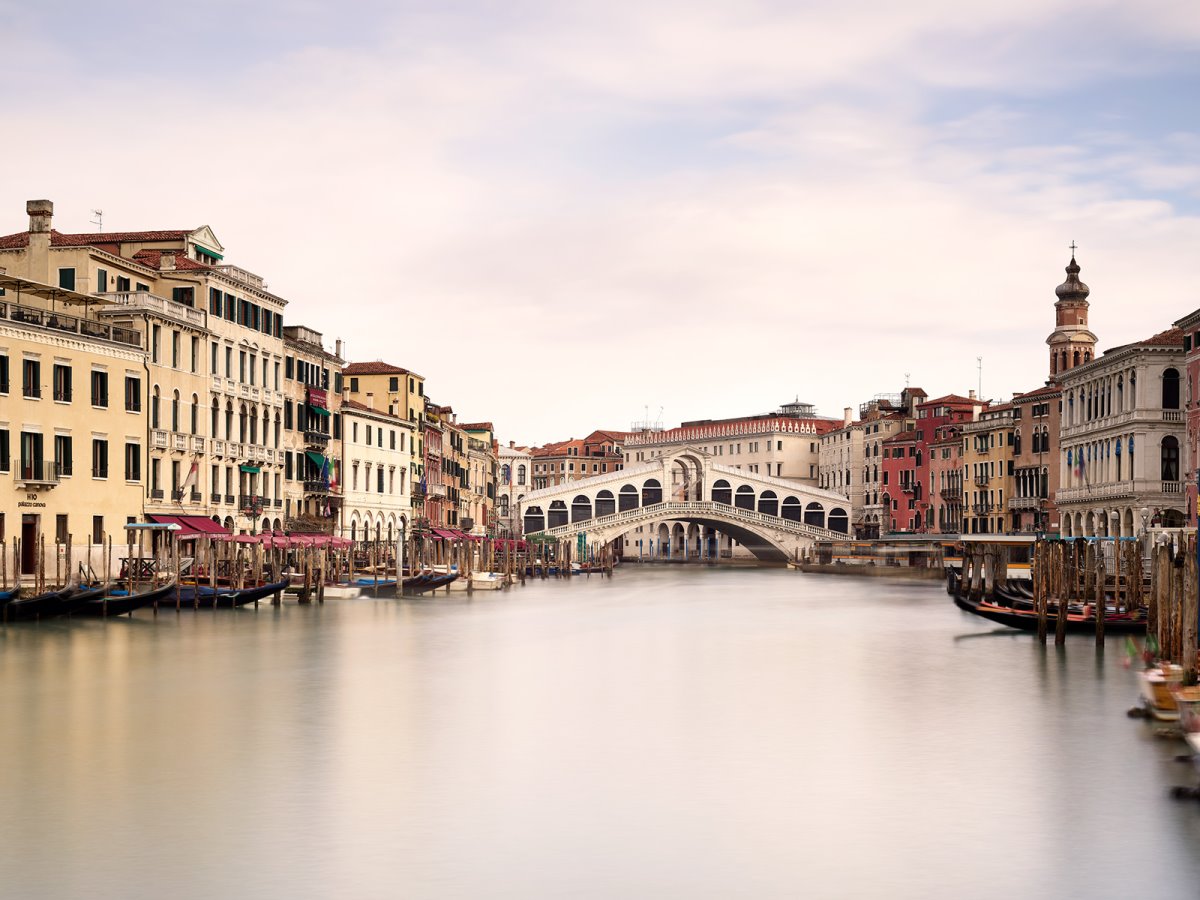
<point>710,507</point>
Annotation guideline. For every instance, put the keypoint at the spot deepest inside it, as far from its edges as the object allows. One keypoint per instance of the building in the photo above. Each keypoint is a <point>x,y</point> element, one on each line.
<point>213,336</point>
<point>1035,460</point>
<point>945,486</point>
<point>375,452</point>
<point>572,460</point>
<point>512,483</point>
<point>1190,326</point>
<point>480,492</point>
<point>987,458</point>
<point>72,451</point>
<point>312,432</point>
<point>1122,437</point>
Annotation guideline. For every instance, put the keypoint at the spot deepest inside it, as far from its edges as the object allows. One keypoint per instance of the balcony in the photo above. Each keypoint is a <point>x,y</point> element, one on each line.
<point>907,486</point>
<point>316,487</point>
<point>179,442</point>
<point>177,496</point>
<point>982,509</point>
<point>982,480</point>
<point>951,494</point>
<point>1140,489</point>
<point>144,301</point>
<point>316,439</point>
<point>197,444</point>
<point>278,503</point>
<point>216,497</point>
<point>1025,502</point>
<point>218,383</point>
<point>195,495</point>
<point>37,474</point>
<point>229,499</point>
<point>56,321</point>
<point>158,440</point>
<point>1172,415</point>
<point>218,448</point>
<point>156,494</point>
<point>251,504</point>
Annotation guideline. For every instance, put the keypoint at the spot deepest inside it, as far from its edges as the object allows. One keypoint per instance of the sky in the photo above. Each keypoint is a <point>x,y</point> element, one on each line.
<point>576,215</point>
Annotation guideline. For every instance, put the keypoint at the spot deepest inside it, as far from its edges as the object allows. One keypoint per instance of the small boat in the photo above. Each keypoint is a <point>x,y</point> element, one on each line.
<point>50,604</point>
<point>1159,685</point>
<point>5,596</point>
<point>413,584</point>
<point>487,581</point>
<point>1027,620</point>
<point>202,596</point>
<point>117,603</point>
<point>383,587</point>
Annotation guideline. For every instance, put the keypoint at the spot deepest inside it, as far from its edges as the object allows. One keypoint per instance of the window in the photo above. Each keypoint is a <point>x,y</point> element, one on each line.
<point>215,358</point>
<point>195,354</point>
<point>133,462</point>
<point>174,349</point>
<point>31,379</point>
<point>122,283</point>
<point>133,394</point>
<point>99,458</point>
<point>154,398</point>
<point>101,281</point>
<point>228,362</point>
<point>155,338</point>
<point>98,530</point>
<point>3,374</point>
<point>66,279</point>
<point>393,439</point>
<point>354,385</point>
<point>99,388</point>
<point>4,450</point>
<point>379,478</point>
<point>62,454</point>
<point>1170,458</point>
<point>62,383</point>
<point>289,368</point>
<point>393,384</point>
<point>61,535</point>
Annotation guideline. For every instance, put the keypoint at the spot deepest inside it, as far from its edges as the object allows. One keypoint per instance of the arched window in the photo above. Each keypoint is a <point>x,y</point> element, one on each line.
<point>195,414</point>
<point>558,514</point>
<point>1016,445</point>
<point>520,474</point>
<point>175,411</point>
<point>277,428</point>
<point>154,408</point>
<point>216,417</point>
<point>506,473</point>
<point>581,509</point>
<point>1170,458</point>
<point>1170,389</point>
<point>791,509</point>
<point>229,420</point>
<point>534,520</point>
<point>744,497</point>
<point>838,520</point>
<point>814,514</point>
<point>722,492</point>
<point>242,423</point>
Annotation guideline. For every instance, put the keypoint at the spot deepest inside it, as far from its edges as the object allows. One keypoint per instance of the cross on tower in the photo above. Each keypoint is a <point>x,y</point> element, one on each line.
<point>1073,247</point>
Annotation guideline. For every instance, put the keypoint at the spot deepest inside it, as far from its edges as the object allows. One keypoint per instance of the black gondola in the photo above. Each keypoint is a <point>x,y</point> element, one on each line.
<point>6,596</point>
<point>51,604</point>
<point>1028,621</point>
<point>119,604</point>
<point>202,596</point>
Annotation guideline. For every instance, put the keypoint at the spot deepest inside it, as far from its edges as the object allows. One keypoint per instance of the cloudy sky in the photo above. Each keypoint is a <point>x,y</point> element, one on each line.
<point>565,214</point>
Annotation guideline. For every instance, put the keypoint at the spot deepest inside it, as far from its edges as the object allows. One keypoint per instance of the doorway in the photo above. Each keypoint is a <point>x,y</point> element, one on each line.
<point>29,534</point>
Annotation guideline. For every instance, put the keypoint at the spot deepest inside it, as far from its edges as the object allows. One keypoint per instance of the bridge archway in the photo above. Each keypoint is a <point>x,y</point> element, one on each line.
<point>814,514</point>
<point>678,547</point>
<point>606,504</point>
<point>687,475</point>
<point>651,492</point>
<point>792,509</point>
<point>558,514</point>
<point>627,498</point>
<point>768,503</point>
<point>581,509</point>
<point>722,492</point>
<point>743,498</point>
<point>838,520</point>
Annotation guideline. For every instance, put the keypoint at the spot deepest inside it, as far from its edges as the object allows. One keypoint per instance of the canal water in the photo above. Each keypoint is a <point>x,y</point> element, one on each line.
<point>670,732</point>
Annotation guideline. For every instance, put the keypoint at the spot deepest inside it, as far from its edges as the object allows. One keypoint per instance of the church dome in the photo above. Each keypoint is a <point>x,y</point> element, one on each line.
<point>1072,288</point>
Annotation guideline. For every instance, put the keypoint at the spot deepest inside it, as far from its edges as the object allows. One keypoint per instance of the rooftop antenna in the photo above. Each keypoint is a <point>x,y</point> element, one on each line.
<point>99,220</point>
<point>907,375</point>
<point>979,366</point>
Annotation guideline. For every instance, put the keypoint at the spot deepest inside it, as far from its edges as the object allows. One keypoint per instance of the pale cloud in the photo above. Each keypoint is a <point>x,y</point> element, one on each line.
<point>563,213</point>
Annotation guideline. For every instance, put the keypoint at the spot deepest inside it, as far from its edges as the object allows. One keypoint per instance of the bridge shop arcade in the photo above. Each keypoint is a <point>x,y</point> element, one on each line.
<point>683,506</point>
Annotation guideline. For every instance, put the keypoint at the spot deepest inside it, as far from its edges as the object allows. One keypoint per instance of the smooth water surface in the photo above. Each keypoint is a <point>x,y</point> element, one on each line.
<point>669,732</point>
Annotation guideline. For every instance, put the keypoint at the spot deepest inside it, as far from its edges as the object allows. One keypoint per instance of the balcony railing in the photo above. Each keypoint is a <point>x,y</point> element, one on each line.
<point>982,509</point>
<point>251,503</point>
<point>215,497</point>
<point>56,321</point>
<point>179,442</point>
<point>229,499</point>
<point>144,300</point>
<point>951,494</point>
<point>1025,502</point>
<point>1142,487</point>
<point>177,495</point>
<point>318,486</point>
<point>156,494</point>
<point>1172,415</point>
<point>218,448</point>
<point>38,473</point>
<point>158,440</point>
<point>278,503</point>
<point>316,439</point>
<point>195,495</point>
<point>982,480</point>
<point>197,443</point>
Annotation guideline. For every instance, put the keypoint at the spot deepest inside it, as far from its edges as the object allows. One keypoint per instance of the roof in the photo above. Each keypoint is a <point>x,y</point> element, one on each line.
<point>153,259</point>
<point>949,398</point>
<point>1046,391</point>
<point>910,435</point>
<point>478,426</point>
<point>362,407</point>
<point>1170,338</point>
<point>58,239</point>
<point>378,367</point>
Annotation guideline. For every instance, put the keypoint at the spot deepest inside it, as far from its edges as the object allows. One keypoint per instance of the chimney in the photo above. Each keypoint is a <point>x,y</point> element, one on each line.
<point>370,400</point>
<point>338,345</point>
<point>166,262</point>
<point>847,416</point>
<point>971,394</point>
<point>512,444</point>
<point>40,214</point>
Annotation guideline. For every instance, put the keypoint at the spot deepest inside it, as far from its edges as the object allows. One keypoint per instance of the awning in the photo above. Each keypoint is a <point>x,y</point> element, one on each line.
<point>252,470</point>
<point>319,411</point>
<point>317,459</point>
<point>445,534</point>
<point>190,526</point>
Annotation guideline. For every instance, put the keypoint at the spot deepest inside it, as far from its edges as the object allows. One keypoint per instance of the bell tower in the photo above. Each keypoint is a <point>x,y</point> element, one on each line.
<point>1071,344</point>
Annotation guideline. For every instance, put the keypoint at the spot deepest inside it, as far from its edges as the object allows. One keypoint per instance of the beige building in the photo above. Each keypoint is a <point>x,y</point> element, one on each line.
<point>987,470</point>
<point>375,452</point>
<point>479,495</point>
<point>513,482</point>
<point>312,470</point>
<point>71,448</point>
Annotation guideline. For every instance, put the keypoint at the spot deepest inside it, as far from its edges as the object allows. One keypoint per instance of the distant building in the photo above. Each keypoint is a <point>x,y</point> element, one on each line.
<point>987,456</point>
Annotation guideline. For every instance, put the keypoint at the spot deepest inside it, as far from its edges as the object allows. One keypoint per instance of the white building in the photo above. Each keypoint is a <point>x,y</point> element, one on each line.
<point>1121,440</point>
<point>376,449</point>
<point>513,481</point>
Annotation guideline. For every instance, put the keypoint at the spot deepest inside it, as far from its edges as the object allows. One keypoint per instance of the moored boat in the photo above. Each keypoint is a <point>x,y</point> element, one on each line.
<point>203,596</point>
<point>1027,620</point>
<point>51,604</point>
<point>117,603</point>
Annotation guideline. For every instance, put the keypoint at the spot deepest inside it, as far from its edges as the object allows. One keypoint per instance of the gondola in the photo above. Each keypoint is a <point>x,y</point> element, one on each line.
<point>51,604</point>
<point>202,596</point>
<point>433,581</point>
<point>384,587</point>
<point>118,604</point>
<point>412,584</point>
<point>6,596</point>
<point>1028,621</point>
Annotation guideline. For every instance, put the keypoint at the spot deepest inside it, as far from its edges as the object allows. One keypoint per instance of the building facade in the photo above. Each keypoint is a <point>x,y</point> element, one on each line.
<point>312,432</point>
<point>375,452</point>
<point>987,473</point>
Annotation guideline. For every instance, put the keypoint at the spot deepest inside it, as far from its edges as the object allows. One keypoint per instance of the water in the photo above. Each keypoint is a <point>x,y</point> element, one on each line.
<point>667,733</point>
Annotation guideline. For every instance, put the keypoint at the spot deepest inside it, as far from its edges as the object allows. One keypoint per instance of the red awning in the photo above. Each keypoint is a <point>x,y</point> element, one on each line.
<point>191,526</point>
<point>445,534</point>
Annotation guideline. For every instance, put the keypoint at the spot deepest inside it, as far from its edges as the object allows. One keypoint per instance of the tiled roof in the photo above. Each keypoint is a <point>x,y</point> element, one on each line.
<point>153,259</point>
<point>362,407</point>
<point>373,368</point>
<point>1039,392</point>
<point>58,239</point>
<point>949,398</point>
<point>478,426</point>
<point>1170,338</point>
<point>902,436</point>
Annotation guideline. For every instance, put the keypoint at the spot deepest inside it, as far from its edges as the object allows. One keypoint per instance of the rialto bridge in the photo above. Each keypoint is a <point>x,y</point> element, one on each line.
<point>693,506</point>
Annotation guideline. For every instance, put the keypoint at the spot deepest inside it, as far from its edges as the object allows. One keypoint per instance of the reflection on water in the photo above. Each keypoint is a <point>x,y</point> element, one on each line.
<point>668,732</point>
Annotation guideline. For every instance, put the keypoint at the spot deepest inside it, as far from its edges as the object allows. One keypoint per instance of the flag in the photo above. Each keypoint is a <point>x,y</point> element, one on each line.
<point>192,475</point>
<point>325,474</point>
